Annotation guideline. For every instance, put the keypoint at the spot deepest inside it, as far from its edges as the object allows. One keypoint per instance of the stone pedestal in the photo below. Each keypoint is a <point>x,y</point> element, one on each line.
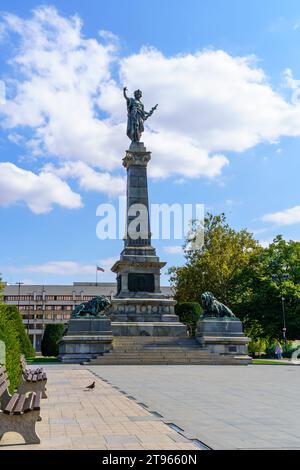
<point>222,336</point>
<point>85,339</point>
<point>145,317</point>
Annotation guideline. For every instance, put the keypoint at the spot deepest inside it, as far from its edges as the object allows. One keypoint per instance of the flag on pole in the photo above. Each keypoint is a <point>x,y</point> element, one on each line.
<point>100,269</point>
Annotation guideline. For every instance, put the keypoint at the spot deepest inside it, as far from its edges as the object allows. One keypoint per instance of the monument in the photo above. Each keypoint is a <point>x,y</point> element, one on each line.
<point>89,332</point>
<point>139,308</point>
<point>139,324</point>
<point>219,330</point>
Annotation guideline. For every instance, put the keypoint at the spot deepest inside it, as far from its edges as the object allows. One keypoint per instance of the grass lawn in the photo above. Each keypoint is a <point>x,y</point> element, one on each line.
<point>42,360</point>
<point>54,360</point>
<point>270,362</point>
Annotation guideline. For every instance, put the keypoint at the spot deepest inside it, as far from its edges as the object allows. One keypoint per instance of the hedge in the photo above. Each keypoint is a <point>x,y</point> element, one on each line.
<point>9,335</point>
<point>53,333</point>
<point>189,314</point>
<point>25,344</point>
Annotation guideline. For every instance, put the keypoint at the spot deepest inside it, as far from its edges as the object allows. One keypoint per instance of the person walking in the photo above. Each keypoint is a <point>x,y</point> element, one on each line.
<point>278,351</point>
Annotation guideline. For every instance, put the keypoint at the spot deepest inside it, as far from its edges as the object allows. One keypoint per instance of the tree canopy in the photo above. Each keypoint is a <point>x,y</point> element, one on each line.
<point>250,279</point>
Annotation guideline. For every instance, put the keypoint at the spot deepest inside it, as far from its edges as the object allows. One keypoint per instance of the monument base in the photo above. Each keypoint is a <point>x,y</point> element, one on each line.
<point>222,336</point>
<point>86,338</point>
<point>145,317</point>
<point>161,329</point>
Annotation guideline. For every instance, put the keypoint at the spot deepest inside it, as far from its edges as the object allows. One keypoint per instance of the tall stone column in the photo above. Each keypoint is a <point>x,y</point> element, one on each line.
<point>135,162</point>
<point>139,307</point>
<point>138,270</point>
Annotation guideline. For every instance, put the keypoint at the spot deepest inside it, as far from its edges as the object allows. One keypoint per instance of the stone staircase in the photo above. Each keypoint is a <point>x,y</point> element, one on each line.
<point>150,350</point>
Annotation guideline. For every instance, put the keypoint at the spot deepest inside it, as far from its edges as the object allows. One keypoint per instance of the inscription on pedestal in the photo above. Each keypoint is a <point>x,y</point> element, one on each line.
<point>140,282</point>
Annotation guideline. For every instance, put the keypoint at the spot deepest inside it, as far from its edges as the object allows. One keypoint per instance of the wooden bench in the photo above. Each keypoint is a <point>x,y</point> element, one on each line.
<point>20,412</point>
<point>23,362</point>
<point>32,380</point>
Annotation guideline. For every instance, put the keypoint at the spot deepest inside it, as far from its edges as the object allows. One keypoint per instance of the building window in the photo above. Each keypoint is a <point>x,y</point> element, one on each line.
<point>16,298</point>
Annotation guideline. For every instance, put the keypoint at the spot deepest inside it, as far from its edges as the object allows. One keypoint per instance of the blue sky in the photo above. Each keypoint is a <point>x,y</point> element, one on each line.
<point>226,134</point>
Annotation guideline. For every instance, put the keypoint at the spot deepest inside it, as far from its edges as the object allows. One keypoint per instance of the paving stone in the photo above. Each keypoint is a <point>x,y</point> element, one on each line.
<point>114,439</point>
<point>225,407</point>
<point>73,419</point>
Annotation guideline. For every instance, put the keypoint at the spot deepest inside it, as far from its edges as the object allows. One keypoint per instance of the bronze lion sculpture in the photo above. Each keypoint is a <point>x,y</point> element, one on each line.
<point>93,308</point>
<point>213,308</point>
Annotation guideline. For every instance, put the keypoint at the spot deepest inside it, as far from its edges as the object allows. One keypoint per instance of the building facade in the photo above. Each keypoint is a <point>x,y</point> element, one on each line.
<point>40,305</point>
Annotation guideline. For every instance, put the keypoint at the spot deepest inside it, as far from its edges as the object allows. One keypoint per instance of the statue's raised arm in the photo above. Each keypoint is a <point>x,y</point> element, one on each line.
<point>125,94</point>
<point>136,115</point>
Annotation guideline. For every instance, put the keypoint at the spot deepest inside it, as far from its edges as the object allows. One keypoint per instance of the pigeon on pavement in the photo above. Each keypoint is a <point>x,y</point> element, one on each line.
<point>91,387</point>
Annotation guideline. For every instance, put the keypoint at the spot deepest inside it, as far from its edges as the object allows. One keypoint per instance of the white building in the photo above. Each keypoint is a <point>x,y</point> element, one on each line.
<point>40,305</point>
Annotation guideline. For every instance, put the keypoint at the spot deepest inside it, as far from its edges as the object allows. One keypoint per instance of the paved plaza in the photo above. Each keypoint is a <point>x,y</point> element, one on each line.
<point>225,407</point>
<point>132,407</point>
<point>103,418</point>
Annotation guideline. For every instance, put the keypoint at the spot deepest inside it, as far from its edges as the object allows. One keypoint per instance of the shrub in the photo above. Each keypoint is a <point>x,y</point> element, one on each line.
<point>257,346</point>
<point>287,348</point>
<point>189,314</point>
<point>23,338</point>
<point>53,333</point>
<point>9,335</point>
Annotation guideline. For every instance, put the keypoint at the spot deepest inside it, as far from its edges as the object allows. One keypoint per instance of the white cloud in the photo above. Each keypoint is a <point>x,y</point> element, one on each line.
<point>286,217</point>
<point>180,181</point>
<point>65,268</point>
<point>212,98</point>
<point>107,263</point>
<point>290,82</point>
<point>40,192</point>
<point>62,76</point>
<point>210,103</point>
<point>89,179</point>
<point>173,249</point>
<point>61,268</point>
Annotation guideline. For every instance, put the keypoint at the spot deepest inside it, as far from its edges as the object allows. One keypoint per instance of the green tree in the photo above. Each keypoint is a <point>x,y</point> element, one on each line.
<point>215,267</point>
<point>254,330</point>
<point>272,274</point>
<point>250,279</point>
<point>189,314</point>
<point>53,333</point>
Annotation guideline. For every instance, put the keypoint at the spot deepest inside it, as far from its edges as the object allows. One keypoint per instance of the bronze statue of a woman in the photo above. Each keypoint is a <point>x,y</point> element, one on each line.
<point>136,115</point>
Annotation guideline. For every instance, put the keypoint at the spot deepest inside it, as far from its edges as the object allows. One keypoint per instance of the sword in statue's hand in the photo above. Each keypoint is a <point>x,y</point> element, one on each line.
<point>152,110</point>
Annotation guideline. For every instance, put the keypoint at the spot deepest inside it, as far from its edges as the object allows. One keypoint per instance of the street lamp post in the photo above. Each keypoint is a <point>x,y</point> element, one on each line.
<point>280,279</point>
<point>283,317</point>
<point>19,292</point>
<point>29,312</point>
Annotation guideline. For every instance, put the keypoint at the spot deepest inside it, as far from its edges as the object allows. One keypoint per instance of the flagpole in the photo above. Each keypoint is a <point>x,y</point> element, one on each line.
<point>96,275</point>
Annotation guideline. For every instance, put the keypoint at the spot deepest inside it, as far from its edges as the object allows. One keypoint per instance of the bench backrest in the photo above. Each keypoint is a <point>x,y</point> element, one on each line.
<point>4,382</point>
